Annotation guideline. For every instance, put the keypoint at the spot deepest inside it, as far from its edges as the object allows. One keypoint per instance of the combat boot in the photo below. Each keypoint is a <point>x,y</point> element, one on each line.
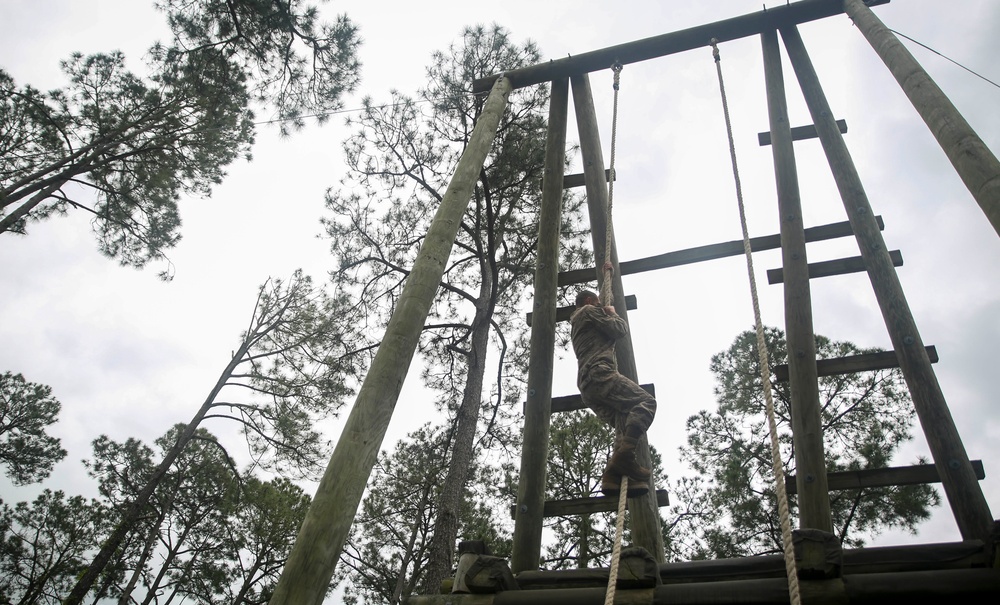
<point>623,461</point>
<point>611,485</point>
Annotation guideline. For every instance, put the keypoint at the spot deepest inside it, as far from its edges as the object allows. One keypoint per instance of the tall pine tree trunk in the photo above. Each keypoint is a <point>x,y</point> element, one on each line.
<point>408,556</point>
<point>467,420</point>
<point>147,551</point>
<point>130,518</point>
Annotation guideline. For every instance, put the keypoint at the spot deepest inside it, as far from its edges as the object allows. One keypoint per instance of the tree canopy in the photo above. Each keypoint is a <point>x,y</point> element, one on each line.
<point>293,367</point>
<point>866,417</point>
<point>26,410</point>
<point>208,534</point>
<point>125,147</point>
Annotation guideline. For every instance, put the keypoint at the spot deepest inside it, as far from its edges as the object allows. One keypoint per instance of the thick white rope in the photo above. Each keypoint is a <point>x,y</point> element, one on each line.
<point>607,299</point>
<point>606,296</point>
<point>616,550</point>
<point>765,371</point>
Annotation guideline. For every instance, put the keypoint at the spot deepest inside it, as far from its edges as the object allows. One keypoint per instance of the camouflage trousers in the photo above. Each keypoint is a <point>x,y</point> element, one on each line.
<point>615,399</point>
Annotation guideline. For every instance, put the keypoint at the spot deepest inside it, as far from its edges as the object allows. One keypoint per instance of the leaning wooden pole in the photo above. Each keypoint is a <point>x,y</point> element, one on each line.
<point>807,425</point>
<point>529,518</point>
<point>975,163</point>
<point>306,576</point>
<point>972,513</point>
<point>645,512</point>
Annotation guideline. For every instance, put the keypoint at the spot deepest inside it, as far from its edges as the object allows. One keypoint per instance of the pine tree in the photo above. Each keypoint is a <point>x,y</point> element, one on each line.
<point>866,417</point>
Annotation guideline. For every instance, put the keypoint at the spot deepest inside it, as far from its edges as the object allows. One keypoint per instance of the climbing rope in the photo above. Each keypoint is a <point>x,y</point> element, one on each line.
<point>765,371</point>
<point>606,296</point>
<point>607,299</point>
<point>616,550</point>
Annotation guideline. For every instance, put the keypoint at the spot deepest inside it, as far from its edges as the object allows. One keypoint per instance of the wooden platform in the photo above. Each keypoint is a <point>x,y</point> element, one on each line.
<point>954,572</point>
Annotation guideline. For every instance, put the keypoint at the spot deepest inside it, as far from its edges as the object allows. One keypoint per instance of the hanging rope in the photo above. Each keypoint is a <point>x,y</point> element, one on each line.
<point>607,299</point>
<point>765,372</point>
<point>616,550</point>
<point>606,296</point>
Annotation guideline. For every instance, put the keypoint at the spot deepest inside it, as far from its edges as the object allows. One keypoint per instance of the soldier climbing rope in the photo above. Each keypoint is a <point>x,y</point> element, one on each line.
<point>613,397</point>
<point>606,297</point>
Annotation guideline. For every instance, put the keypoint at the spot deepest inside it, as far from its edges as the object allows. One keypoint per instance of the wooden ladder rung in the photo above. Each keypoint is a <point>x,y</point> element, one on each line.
<point>841,266</point>
<point>586,506</point>
<point>710,252</point>
<point>799,133</point>
<point>568,403</point>
<point>563,313</point>
<point>916,474</point>
<point>571,181</point>
<point>852,363</point>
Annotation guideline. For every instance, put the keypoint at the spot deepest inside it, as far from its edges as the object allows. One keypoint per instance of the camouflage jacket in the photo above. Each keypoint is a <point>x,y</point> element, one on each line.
<point>594,333</point>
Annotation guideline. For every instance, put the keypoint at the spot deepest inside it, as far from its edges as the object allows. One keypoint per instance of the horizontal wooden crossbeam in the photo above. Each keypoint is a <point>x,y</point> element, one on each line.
<point>799,133</point>
<point>568,403</point>
<point>917,474</point>
<point>563,313</point>
<point>667,44</point>
<point>841,266</point>
<point>588,506</point>
<point>577,180</point>
<point>852,364</point>
<point>709,252</point>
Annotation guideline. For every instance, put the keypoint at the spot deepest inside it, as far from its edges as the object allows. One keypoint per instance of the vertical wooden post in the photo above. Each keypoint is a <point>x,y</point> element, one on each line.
<point>310,565</point>
<point>528,519</point>
<point>807,425</point>
<point>972,159</point>
<point>645,513</point>
<point>971,511</point>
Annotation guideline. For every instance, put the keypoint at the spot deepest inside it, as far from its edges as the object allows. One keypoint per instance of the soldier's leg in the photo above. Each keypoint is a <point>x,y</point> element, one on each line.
<point>639,408</point>
<point>635,409</point>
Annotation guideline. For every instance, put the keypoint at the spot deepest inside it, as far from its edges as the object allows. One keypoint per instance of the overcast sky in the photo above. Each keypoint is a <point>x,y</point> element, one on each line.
<point>129,355</point>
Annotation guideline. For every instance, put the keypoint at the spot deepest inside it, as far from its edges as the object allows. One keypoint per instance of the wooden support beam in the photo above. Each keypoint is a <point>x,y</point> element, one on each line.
<point>853,363</point>
<point>527,542</point>
<point>935,586</point>
<point>965,496</point>
<point>945,586</point>
<point>799,133</point>
<point>569,403</point>
<point>563,313</point>
<point>975,164</point>
<point>571,181</point>
<point>807,427</point>
<point>710,252</point>
<point>588,506</point>
<point>841,266</point>
<point>305,579</point>
<point>671,43</point>
<point>917,474</point>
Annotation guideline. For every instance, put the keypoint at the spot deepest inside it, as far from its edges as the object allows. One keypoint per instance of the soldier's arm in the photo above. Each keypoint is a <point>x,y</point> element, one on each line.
<point>611,324</point>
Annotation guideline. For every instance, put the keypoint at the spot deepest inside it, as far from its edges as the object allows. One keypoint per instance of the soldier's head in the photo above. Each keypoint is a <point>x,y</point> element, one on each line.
<point>586,297</point>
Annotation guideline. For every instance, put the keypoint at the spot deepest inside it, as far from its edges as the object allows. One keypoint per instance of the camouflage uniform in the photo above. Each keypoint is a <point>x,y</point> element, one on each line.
<point>614,398</point>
